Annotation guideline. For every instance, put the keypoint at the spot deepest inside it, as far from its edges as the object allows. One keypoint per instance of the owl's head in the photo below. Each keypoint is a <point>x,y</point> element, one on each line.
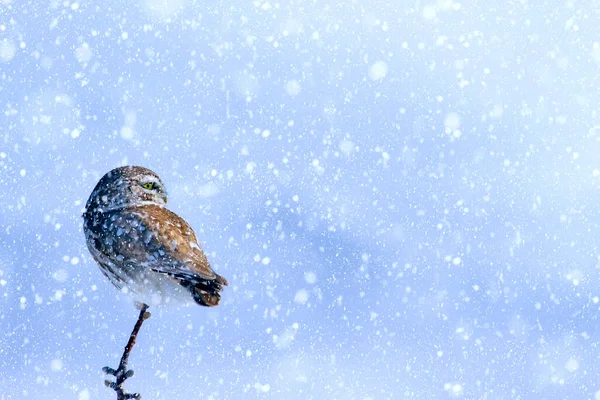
<point>127,186</point>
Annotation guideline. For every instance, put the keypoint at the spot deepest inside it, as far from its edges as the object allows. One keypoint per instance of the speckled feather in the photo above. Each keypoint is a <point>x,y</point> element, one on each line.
<point>142,246</point>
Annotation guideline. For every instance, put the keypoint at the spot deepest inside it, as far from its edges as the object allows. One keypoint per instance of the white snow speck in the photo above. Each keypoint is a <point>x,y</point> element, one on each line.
<point>453,388</point>
<point>346,146</point>
<point>497,111</point>
<point>58,295</point>
<point>250,167</point>
<point>572,365</point>
<point>61,275</point>
<point>56,365</point>
<point>452,121</point>
<point>301,296</point>
<point>84,395</point>
<point>7,50</point>
<point>429,12</point>
<point>164,9</point>
<point>128,129</point>
<point>575,276</point>
<point>127,133</point>
<point>246,83</point>
<point>293,87</point>
<point>286,338</point>
<point>262,388</point>
<point>83,53</point>
<point>310,277</point>
<point>378,70</point>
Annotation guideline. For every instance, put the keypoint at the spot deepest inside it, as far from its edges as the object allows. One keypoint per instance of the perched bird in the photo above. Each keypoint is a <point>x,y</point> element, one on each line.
<point>141,246</point>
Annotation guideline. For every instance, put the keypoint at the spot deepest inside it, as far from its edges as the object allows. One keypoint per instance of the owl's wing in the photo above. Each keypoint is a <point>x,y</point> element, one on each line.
<point>171,242</point>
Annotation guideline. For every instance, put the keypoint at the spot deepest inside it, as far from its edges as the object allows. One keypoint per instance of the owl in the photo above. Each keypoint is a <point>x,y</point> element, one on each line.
<point>143,248</point>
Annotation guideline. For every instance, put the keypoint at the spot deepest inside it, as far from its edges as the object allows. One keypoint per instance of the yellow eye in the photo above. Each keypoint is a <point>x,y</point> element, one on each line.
<point>148,185</point>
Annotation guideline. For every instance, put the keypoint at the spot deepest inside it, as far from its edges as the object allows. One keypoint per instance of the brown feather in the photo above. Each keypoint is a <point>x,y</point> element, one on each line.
<point>179,241</point>
<point>141,245</point>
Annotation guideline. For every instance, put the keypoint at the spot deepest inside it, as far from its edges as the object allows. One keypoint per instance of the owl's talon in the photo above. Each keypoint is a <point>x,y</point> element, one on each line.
<point>112,385</point>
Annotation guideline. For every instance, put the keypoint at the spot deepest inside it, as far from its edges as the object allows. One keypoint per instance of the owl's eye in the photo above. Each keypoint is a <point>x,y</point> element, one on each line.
<point>149,185</point>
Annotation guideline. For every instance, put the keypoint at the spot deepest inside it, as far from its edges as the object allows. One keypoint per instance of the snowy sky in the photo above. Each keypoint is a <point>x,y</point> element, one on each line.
<point>403,195</point>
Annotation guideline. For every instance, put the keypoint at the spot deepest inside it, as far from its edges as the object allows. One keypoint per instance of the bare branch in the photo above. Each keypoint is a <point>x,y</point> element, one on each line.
<point>122,373</point>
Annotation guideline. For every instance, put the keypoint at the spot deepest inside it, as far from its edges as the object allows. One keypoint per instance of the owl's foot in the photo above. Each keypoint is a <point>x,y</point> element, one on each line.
<point>122,373</point>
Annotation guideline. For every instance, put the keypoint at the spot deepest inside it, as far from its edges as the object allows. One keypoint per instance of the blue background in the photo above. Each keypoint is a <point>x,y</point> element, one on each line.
<point>403,196</point>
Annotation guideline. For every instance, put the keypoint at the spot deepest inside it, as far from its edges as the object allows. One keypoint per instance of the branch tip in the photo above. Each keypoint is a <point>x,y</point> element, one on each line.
<point>109,371</point>
<point>122,373</point>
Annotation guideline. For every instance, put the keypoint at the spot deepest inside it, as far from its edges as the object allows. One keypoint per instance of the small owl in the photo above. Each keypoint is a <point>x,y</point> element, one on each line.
<point>141,246</point>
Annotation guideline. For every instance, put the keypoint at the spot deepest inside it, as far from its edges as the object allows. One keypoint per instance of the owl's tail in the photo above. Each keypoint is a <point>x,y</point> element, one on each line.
<point>206,292</point>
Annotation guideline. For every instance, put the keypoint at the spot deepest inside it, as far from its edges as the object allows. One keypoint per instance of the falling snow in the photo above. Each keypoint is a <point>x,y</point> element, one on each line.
<point>378,70</point>
<point>7,50</point>
<point>402,195</point>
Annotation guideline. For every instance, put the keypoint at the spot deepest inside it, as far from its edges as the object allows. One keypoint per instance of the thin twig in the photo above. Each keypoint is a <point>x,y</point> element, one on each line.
<point>122,373</point>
